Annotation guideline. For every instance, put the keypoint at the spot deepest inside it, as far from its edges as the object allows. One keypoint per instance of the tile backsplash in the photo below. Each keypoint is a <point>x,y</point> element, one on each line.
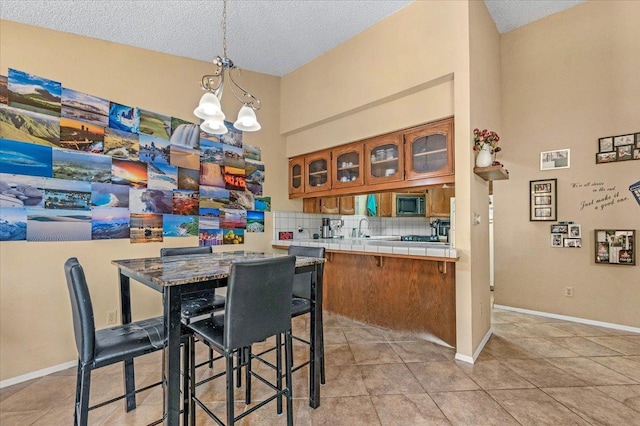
<point>311,223</point>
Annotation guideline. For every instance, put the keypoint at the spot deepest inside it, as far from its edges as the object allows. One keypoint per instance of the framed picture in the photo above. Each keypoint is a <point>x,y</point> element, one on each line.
<point>606,144</point>
<point>542,200</point>
<point>624,152</point>
<point>574,231</point>
<point>559,229</point>
<point>556,240</point>
<point>615,246</point>
<point>623,140</point>
<point>606,157</point>
<point>551,160</point>
<point>573,242</point>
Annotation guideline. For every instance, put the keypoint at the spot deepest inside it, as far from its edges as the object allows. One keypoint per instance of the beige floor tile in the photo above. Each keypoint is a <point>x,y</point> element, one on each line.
<point>6,392</point>
<point>542,330</point>
<point>41,394</point>
<point>501,348</point>
<point>507,330</point>
<point>441,376</point>
<point>534,407</point>
<point>422,352</point>
<point>383,379</point>
<point>472,408</point>
<point>582,346</point>
<point>347,411</point>
<point>618,344</point>
<point>396,336</point>
<point>364,335</point>
<point>493,375</point>
<point>141,416</point>
<point>343,380</point>
<point>374,353</point>
<point>591,372</point>
<point>627,365</point>
<point>542,374</point>
<point>629,395</point>
<point>408,410</point>
<point>338,355</point>
<point>21,418</point>
<point>595,406</point>
<point>334,336</point>
<point>577,329</point>
<point>543,348</point>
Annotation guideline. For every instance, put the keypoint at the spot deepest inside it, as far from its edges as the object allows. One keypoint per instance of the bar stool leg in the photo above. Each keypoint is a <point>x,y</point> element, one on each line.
<point>230,397</point>
<point>279,371</point>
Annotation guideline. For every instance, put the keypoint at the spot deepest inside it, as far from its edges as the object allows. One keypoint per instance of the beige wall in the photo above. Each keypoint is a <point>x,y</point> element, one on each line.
<point>35,317</point>
<point>409,69</point>
<point>566,81</point>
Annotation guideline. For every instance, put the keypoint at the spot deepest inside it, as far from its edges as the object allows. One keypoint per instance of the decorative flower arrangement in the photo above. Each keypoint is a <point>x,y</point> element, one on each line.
<point>486,137</point>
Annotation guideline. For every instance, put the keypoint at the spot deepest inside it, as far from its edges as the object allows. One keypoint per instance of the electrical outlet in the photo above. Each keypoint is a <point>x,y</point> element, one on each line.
<point>112,317</point>
<point>568,291</point>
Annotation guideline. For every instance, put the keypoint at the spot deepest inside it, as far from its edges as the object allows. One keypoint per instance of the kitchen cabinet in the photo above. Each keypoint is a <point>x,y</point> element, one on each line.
<point>347,205</point>
<point>428,150</point>
<point>317,168</point>
<point>296,170</point>
<point>329,205</point>
<point>347,166</point>
<point>438,202</point>
<point>385,204</point>
<point>384,161</point>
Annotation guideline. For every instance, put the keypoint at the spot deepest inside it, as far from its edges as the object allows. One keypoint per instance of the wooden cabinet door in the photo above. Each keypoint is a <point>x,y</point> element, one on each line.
<point>347,166</point>
<point>347,205</point>
<point>429,150</point>
<point>438,202</point>
<point>311,205</point>
<point>383,159</point>
<point>385,204</point>
<point>330,205</point>
<point>296,175</point>
<point>317,168</point>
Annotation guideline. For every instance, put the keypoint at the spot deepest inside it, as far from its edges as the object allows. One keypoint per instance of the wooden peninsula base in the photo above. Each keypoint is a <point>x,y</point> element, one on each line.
<point>401,293</point>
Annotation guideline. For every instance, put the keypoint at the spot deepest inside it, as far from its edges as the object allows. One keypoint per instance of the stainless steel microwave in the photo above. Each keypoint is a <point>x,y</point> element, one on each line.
<point>409,205</point>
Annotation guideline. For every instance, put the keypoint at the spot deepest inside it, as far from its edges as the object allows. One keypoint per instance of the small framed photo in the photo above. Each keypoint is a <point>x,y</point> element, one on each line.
<point>559,228</point>
<point>623,140</point>
<point>574,231</point>
<point>624,152</point>
<point>551,160</point>
<point>606,157</point>
<point>573,242</point>
<point>542,200</point>
<point>556,240</point>
<point>606,144</point>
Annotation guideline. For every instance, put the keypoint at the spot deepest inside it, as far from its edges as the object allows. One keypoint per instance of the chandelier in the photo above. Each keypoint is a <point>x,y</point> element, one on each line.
<point>209,108</point>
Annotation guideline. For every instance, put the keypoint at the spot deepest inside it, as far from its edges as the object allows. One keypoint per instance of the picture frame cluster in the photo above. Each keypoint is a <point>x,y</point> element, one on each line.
<point>618,148</point>
<point>542,200</point>
<point>615,246</point>
<point>566,234</point>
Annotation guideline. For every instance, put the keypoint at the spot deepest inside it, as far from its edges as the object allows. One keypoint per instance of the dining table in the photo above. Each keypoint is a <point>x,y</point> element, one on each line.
<point>176,276</point>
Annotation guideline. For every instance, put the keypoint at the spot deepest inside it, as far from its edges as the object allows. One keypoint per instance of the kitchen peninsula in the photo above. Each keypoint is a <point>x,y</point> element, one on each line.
<point>402,286</point>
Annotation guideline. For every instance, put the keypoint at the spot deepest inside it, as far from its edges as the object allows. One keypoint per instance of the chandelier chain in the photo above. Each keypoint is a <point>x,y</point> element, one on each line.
<point>224,28</point>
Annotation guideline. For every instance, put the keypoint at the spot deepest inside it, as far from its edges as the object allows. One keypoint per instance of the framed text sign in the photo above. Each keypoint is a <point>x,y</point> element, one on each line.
<point>542,200</point>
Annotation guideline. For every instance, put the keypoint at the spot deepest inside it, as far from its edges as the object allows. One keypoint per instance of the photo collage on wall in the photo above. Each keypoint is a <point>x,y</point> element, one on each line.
<point>618,148</point>
<point>74,166</point>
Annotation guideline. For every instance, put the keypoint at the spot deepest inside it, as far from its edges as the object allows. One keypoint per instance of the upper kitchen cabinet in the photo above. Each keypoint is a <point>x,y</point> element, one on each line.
<point>296,170</point>
<point>317,168</point>
<point>428,150</point>
<point>347,166</point>
<point>384,161</point>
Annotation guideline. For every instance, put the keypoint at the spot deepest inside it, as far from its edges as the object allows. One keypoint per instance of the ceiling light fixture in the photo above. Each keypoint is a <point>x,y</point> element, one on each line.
<point>209,108</point>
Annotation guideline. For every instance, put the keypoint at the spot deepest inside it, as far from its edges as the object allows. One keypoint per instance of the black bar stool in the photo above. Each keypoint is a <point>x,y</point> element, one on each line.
<point>256,290</point>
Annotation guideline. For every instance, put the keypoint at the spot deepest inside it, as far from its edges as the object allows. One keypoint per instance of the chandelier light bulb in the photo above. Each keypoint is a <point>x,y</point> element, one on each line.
<point>247,120</point>
<point>209,107</point>
<point>214,127</point>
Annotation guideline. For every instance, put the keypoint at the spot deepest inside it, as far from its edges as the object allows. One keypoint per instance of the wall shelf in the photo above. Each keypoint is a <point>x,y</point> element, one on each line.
<point>492,173</point>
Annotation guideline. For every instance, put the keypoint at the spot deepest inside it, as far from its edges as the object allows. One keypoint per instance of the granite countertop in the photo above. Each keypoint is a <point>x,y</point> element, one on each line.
<point>381,245</point>
<point>176,270</point>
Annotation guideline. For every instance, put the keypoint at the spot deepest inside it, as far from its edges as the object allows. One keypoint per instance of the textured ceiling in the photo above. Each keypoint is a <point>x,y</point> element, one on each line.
<point>272,37</point>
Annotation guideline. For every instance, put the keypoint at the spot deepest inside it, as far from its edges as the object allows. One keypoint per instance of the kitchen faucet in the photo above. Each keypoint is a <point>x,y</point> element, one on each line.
<point>360,234</point>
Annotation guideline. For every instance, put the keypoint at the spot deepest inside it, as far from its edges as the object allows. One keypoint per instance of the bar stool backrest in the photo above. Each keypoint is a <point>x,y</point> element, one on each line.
<point>258,300</point>
<point>176,251</point>
<point>82,310</point>
<point>302,282</point>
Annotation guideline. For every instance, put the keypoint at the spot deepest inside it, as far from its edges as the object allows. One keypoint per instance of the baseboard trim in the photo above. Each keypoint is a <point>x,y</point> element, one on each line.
<point>572,319</point>
<point>37,374</point>
<point>476,353</point>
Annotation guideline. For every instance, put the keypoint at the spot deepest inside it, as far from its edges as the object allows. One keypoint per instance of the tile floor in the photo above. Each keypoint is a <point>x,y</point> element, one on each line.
<point>533,371</point>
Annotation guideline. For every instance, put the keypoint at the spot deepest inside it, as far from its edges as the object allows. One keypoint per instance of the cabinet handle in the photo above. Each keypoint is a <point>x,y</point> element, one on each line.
<point>442,267</point>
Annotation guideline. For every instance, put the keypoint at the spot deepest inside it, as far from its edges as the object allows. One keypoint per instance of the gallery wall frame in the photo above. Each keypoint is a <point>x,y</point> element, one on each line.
<point>543,200</point>
<point>615,247</point>
<point>558,159</point>
<point>612,149</point>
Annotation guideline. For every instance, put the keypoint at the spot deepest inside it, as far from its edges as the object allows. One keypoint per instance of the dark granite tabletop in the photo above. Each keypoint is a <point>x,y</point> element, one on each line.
<point>176,270</point>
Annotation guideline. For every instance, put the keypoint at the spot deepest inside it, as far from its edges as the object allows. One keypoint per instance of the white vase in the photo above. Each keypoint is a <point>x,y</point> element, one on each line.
<point>484,158</point>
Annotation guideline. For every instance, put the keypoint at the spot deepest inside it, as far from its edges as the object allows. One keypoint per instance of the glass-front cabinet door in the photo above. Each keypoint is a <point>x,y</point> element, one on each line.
<point>347,166</point>
<point>429,150</point>
<point>384,161</point>
<point>296,169</point>
<point>318,171</point>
